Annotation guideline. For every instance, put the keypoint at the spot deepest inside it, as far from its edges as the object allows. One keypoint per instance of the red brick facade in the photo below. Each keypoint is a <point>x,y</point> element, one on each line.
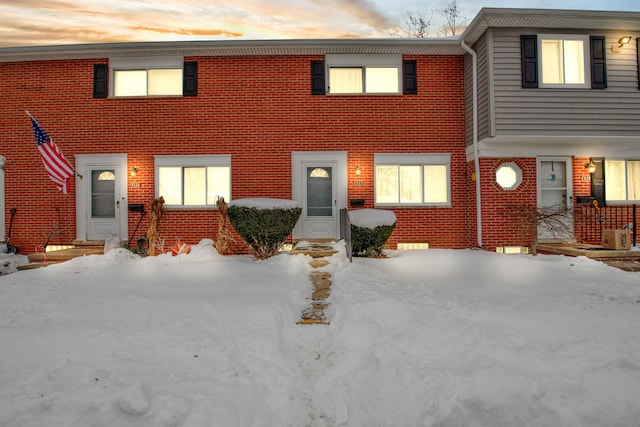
<point>258,110</point>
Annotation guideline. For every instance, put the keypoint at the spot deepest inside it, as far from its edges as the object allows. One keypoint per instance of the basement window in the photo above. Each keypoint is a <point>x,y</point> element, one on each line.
<point>510,250</point>
<point>412,246</point>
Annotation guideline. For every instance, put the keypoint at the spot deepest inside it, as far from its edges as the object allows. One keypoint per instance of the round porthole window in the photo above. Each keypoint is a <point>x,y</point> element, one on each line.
<point>509,176</point>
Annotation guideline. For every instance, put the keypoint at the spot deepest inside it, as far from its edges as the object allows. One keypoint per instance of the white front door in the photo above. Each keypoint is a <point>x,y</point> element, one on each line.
<point>103,213</point>
<point>319,186</point>
<point>102,197</point>
<point>319,211</point>
<point>555,198</point>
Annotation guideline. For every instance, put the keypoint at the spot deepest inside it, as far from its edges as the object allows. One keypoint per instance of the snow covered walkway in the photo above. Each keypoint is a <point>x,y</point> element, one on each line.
<point>323,263</point>
<point>422,338</point>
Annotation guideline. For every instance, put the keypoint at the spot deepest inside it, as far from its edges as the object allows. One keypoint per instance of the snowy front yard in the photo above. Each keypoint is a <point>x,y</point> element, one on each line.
<point>423,338</point>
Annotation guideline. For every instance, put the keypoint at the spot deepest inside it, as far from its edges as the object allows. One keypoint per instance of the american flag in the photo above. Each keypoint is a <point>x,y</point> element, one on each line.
<point>58,168</point>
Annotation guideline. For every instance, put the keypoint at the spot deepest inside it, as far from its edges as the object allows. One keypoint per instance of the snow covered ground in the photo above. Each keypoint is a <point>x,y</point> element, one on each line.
<point>422,338</point>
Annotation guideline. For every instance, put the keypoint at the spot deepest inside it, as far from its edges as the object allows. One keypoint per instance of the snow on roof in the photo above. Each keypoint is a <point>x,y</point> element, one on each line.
<point>264,203</point>
<point>372,218</point>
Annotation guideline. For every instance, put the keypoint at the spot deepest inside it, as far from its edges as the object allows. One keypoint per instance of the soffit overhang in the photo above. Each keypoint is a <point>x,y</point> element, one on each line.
<point>442,46</point>
<point>550,19</point>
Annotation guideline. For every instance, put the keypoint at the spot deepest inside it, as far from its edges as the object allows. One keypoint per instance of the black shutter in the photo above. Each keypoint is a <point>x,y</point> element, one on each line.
<point>100,80</point>
<point>317,78</point>
<point>598,63</point>
<point>529,52</point>
<point>190,79</point>
<point>409,77</point>
<point>597,180</point>
<point>638,59</point>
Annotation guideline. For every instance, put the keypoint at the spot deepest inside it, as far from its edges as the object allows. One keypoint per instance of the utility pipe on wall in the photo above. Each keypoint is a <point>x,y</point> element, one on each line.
<point>476,160</point>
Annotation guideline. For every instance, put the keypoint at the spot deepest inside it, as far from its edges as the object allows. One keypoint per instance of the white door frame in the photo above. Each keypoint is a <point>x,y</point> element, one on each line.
<point>3,224</point>
<point>543,179</point>
<point>83,163</point>
<point>298,176</point>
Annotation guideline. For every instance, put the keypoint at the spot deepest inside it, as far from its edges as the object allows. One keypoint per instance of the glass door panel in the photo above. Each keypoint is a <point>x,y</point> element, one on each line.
<point>103,193</point>
<point>319,191</point>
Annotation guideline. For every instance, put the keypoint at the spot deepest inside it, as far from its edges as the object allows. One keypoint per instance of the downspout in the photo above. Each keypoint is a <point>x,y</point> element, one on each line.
<point>476,159</point>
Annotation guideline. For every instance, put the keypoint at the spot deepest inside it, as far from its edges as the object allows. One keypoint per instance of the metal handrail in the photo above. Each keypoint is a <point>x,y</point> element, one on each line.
<point>590,220</point>
<point>344,215</point>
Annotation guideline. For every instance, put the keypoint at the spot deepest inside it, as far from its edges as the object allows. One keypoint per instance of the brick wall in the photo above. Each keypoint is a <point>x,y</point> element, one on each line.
<point>257,109</point>
<point>500,225</point>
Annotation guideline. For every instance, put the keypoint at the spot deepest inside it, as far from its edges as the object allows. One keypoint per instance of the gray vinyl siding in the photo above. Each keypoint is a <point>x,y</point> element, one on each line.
<point>613,111</point>
<point>484,90</point>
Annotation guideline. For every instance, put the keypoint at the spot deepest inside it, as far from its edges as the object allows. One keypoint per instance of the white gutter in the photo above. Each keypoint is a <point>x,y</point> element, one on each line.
<point>476,159</point>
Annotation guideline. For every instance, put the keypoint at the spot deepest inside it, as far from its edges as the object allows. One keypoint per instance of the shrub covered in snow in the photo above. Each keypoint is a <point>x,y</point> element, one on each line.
<point>370,230</point>
<point>264,224</point>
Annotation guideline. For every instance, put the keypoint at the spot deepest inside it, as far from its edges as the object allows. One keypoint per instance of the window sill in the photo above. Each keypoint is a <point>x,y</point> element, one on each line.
<point>145,96</point>
<point>364,94</point>
<point>412,205</point>
<point>191,208</point>
<point>622,202</point>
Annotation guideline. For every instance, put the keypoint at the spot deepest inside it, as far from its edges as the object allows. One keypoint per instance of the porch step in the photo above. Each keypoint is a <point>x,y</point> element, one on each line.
<point>30,266</point>
<point>625,265</point>
<point>65,254</point>
<point>81,248</point>
<point>88,243</point>
<point>316,249</point>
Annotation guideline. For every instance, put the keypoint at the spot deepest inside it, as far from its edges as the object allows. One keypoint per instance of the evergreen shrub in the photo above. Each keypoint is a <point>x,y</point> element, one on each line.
<point>369,242</point>
<point>263,230</point>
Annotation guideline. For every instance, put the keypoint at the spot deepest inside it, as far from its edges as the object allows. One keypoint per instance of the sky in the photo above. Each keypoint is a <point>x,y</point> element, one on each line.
<point>53,22</point>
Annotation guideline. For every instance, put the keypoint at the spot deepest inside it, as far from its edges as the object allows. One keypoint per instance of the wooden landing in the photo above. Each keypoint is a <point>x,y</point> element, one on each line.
<point>624,260</point>
<point>39,259</point>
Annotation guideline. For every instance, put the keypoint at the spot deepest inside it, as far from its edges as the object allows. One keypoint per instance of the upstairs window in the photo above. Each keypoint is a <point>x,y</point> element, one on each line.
<point>151,76</point>
<point>563,61</point>
<point>193,181</point>
<point>347,80</point>
<point>622,183</point>
<point>147,82</point>
<point>358,74</point>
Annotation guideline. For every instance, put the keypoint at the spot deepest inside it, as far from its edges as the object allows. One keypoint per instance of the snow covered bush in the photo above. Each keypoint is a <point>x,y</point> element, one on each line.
<point>370,230</point>
<point>264,224</point>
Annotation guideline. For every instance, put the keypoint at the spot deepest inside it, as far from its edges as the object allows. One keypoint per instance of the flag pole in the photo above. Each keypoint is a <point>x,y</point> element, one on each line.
<point>72,167</point>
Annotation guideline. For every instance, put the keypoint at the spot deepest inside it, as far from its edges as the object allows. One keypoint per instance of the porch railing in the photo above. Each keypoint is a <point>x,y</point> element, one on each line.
<point>589,221</point>
<point>345,233</point>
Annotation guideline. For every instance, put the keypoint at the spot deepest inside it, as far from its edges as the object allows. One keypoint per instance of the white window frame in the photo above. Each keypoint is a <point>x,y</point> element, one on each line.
<point>586,63</point>
<point>363,62</point>
<point>144,64</point>
<point>626,200</point>
<point>414,160</point>
<point>219,160</point>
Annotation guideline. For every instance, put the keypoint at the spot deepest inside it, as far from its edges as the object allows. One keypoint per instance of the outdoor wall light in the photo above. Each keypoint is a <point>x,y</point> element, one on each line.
<point>134,171</point>
<point>624,40</point>
<point>358,170</point>
<point>590,166</point>
<point>621,42</point>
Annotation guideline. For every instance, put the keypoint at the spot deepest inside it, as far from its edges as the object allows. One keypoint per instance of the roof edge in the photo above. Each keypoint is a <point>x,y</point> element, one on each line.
<point>228,47</point>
